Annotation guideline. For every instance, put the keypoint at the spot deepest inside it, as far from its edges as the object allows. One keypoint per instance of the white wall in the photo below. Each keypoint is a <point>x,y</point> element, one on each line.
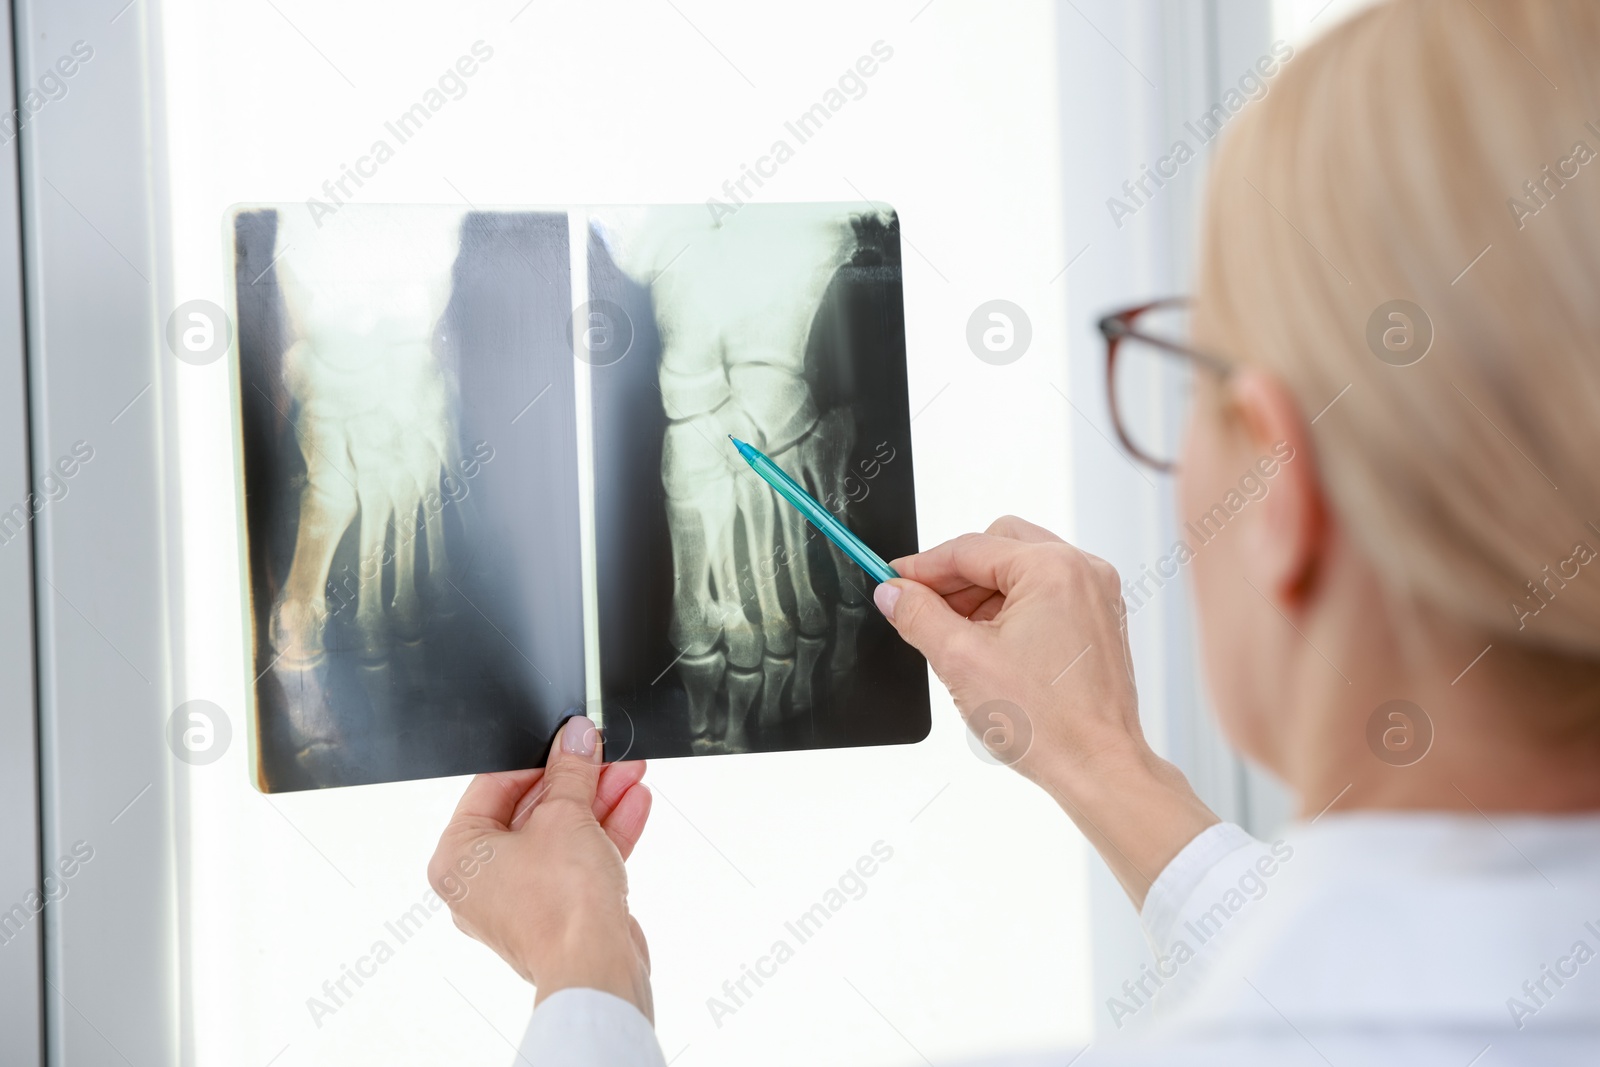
<point>1302,21</point>
<point>974,938</point>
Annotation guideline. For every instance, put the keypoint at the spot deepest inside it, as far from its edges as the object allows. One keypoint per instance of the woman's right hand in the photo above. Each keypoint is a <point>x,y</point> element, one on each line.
<point>532,865</point>
<point>1029,634</point>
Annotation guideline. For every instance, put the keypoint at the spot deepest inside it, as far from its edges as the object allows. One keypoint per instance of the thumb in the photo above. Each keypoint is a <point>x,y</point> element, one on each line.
<point>572,771</point>
<point>921,616</point>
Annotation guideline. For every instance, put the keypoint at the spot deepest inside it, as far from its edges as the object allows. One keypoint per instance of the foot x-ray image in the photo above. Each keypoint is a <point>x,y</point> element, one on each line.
<point>488,483</point>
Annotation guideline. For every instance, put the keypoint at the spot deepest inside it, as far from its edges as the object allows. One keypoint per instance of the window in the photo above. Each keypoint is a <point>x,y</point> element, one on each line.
<point>998,132</point>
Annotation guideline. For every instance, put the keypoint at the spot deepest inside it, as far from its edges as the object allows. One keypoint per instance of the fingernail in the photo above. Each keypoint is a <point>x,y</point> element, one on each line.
<point>578,736</point>
<point>886,596</point>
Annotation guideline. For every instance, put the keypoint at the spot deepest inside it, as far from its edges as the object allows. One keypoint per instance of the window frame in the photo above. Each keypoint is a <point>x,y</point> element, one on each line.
<point>91,255</point>
<point>1123,512</point>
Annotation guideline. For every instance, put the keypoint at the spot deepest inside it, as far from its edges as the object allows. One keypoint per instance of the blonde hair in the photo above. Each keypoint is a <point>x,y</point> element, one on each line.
<point>1387,158</point>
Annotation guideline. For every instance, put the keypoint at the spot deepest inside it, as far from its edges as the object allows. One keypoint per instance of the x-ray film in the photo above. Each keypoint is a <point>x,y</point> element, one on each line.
<point>487,483</point>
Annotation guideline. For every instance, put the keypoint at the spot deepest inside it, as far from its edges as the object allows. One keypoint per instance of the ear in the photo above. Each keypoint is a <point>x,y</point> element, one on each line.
<point>1289,541</point>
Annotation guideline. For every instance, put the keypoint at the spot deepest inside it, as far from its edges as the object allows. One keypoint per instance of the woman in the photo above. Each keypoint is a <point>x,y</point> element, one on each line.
<point>1427,534</point>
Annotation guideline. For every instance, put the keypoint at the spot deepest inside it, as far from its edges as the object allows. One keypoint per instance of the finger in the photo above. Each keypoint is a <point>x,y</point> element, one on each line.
<point>529,800</point>
<point>971,559</point>
<point>923,619</point>
<point>627,819</point>
<point>572,772</point>
<point>493,797</point>
<point>615,780</point>
<point>988,609</point>
<point>965,602</point>
<point>1020,530</point>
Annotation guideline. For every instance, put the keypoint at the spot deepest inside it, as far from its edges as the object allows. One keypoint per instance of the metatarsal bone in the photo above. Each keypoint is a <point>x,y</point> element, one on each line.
<point>701,514</point>
<point>374,409</point>
<point>327,507</point>
<point>825,458</point>
<point>796,532</point>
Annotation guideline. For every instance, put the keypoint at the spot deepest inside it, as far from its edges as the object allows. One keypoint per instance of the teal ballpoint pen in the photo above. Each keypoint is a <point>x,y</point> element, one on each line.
<point>815,513</point>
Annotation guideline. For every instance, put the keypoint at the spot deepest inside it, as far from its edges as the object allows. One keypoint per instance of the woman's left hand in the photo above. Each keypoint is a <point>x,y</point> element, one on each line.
<point>532,865</point>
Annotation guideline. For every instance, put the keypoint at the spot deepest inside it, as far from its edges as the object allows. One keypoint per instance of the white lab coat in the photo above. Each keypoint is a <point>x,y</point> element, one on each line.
<point>1370,938</point>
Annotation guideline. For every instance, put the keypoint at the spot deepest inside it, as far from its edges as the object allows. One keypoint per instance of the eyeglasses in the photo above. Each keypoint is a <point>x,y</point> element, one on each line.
<point>1150,376</point>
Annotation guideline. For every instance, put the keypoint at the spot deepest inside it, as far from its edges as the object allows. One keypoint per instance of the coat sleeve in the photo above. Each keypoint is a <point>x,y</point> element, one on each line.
<point>588,1028</point>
